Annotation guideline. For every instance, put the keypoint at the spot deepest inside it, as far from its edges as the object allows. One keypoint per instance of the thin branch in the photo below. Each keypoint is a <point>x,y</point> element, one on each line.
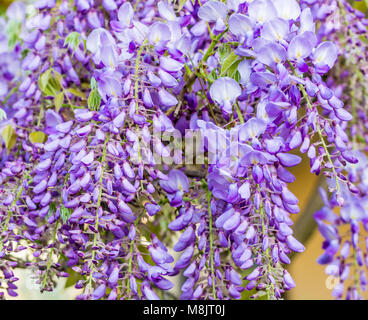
<point>195,174</point>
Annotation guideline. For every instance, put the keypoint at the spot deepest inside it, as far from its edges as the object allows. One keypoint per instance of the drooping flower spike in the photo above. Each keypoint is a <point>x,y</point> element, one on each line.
<point>92,183</point>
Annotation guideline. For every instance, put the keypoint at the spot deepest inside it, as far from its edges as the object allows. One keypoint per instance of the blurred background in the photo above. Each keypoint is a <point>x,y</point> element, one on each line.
<point>311,281</point>
<point>3,5</point>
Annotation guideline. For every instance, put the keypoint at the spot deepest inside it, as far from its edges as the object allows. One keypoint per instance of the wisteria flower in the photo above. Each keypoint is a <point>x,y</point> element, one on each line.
<point>225,91</point>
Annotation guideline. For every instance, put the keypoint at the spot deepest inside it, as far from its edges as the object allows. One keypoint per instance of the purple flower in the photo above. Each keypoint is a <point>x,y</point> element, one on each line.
<point>126,14</point>
<point>289,160</point>
<point>241,25</point>
<point>287,9</point>
<point>177,181</point>
<point>159,34</point>
<point>294,244</point>
<point>109,5</point>
<point>225,91</point>
<point>212,11</point>
<point>325,56</point>
<point>255,78</point>
<point>16,11</point>
<point>166,98</point>
<point>99,292</point>
<point>271,54</point>
<point>96,40</point>
<point>275,30</point>
<point>147,291</point>
<point>262,10</point>
<point>170,64</point>
<point>253,128</point>
<point>166,12</point>
<point>301,46</point>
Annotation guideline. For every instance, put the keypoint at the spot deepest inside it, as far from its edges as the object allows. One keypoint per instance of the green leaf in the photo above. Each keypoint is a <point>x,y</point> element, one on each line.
<point>233,69</point>
<point>52,209</point>
<point>65,213</point>
<point>58,77</point>
<point>77,93</point>
<point>73,40</point>
<point>224,51</point>
<point>94,100</point>
<point>43,80</point>
<point>58,100</point>
<point>93,83</point>
<point>48,84</point>
<point>231,59</point>
<point>12,40</point>
<point>24,53</point>
<point>9,136</point>
<point>73,278</point>
<point>236,76</point>
<point>2,115</point>
<point>37,137</point>
<point>181,5</point>
<point>363,38</point>
<point>213,75</point>
<point>12,31</point>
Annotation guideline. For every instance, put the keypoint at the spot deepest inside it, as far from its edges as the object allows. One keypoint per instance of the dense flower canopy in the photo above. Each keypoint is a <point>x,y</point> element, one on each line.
<point>96,98</point>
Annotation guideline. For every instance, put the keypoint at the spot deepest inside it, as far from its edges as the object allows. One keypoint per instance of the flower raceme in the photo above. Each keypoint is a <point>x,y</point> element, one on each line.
<point>97,184</point>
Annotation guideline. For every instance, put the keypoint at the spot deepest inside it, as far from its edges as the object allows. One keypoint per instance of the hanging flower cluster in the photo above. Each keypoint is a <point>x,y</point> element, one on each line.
<point>127,124</point>
<point>345,243</point>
